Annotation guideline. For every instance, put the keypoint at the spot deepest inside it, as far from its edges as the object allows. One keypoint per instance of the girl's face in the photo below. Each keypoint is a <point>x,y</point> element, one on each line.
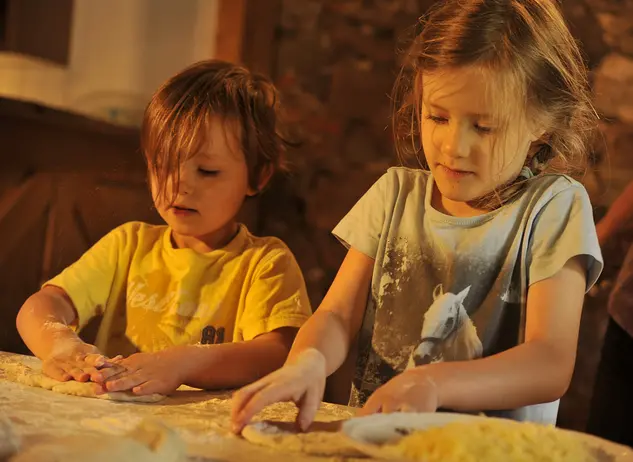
<point>469,151</point>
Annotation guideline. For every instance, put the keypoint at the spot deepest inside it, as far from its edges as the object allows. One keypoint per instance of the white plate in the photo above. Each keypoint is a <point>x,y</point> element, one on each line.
<point>371,432</point>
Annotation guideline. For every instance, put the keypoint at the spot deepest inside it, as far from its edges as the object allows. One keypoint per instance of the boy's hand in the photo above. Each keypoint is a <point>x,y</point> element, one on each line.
<point>147,373</point>
<point>75,360</point>
<point>411,391</point>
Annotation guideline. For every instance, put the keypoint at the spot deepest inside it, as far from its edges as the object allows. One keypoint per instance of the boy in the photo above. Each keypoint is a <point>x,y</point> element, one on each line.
<point>200,301</point>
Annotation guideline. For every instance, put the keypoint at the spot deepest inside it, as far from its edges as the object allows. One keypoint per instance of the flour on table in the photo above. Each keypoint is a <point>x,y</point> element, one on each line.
<point>149,442</point>
<point>25,375</point>
<point>9,441</point>
<point>321,439</point>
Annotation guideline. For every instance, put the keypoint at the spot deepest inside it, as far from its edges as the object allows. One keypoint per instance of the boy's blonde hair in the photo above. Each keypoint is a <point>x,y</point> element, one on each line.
<point>177,118</point>
<point>527,44</point>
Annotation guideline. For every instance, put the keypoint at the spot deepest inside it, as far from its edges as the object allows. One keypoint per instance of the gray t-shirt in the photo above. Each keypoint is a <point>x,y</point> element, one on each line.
<point>446,288</point>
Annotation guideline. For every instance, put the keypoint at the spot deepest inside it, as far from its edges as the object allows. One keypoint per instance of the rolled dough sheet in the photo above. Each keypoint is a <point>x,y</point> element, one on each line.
<point>25,375</point>
<point>321,439</point>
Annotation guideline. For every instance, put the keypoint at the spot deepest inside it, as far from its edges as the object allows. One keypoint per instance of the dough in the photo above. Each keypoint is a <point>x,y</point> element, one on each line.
<point>23,374</point>
<point>9,441</point>
<point>321,439</point>
<point>149,442</point>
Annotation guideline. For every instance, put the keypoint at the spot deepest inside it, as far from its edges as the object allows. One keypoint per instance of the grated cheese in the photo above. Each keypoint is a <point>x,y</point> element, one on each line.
<point>492,441</point>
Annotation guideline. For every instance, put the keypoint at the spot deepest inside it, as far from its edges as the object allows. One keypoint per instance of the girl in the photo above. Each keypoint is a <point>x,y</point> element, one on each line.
<point>475,265</point>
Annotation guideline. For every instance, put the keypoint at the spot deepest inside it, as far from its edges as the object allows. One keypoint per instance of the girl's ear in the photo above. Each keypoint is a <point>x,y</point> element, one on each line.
<point>264,177</point>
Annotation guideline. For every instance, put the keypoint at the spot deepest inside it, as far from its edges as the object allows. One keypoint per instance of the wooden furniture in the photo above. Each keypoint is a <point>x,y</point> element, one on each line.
<point>37,28</point>
<point>65,181</point>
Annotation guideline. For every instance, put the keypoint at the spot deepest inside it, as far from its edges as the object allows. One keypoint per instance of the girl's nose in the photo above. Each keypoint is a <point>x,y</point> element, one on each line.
<point>455,143</point>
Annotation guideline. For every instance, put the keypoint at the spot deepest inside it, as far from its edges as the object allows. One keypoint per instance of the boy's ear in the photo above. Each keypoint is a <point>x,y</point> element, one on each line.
<point>265,175</point>
<point>537,140</point>
<point>540,136</point>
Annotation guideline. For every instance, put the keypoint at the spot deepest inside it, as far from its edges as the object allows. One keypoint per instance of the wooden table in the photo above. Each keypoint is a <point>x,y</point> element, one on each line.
<point>200,417</point>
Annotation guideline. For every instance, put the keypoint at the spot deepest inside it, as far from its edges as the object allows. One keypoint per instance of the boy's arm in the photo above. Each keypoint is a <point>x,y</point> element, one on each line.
<point>45,324</point>
<point>46,320</point>
<point>218,366</point>
<point>232,365</point>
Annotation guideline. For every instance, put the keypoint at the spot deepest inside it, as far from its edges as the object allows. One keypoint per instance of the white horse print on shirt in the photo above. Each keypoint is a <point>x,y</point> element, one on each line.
<point>448,333</point>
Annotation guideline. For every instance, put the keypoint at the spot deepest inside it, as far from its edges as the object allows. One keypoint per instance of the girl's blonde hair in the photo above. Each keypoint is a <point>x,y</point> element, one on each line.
<point>528,44</point>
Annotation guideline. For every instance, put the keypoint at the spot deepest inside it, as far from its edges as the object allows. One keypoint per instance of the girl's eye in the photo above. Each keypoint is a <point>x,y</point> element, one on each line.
<point>437,119</point>
<point>204,172</point>
<point>482,129</point>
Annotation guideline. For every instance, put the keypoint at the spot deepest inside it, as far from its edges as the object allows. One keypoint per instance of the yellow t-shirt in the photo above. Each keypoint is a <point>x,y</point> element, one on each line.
<point>153,296</point>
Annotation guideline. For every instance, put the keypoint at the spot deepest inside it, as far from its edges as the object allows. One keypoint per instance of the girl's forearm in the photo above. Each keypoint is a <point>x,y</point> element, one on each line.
<point>326,333</point>
<point>336,323</point>
<point>528,374</point>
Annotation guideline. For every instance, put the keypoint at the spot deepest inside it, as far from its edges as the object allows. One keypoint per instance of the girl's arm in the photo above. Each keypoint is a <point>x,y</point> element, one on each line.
<point>536,371</point>
<point>337,320</point>
<point>320,348</point>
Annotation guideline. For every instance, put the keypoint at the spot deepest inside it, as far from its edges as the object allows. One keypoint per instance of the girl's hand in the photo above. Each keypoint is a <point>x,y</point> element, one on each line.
<point>302,381</point>
<point>74,359</point>
<point>412,391</point>
<point>147,373</point>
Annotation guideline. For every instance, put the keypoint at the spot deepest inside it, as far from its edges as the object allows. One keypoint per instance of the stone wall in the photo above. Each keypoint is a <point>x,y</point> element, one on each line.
<point>336,62</point>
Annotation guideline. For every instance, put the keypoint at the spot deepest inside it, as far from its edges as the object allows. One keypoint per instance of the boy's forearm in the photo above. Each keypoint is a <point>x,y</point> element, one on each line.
<point>232,365</point>
<point>44,323</point>
<point>528,374</point>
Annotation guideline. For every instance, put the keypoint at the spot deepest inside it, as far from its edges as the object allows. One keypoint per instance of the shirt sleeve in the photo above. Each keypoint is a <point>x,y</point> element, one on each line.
<point>563,229</point>
<point>89,280</point>
<point>362,226</point>
<point>277,296</point>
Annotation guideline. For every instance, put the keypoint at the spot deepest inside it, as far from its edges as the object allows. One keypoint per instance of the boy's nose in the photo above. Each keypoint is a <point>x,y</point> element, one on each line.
<point>184,188</point>
<point>185,184</point>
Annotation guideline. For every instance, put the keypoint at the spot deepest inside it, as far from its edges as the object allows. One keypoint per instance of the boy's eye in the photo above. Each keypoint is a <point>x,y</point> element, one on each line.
<point>205,172</point>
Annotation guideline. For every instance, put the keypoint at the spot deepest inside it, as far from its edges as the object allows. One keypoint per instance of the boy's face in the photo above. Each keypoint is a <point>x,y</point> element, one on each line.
<point>213,185</point>
<point>468,152</point>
